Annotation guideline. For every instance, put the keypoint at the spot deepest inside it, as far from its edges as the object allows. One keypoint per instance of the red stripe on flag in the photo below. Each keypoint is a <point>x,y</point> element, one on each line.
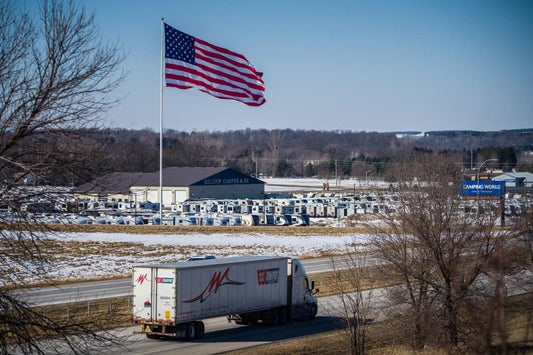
<point>175,71</point>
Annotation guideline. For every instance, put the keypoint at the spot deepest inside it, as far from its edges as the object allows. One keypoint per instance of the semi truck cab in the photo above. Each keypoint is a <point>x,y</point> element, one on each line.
<point>303,301</point>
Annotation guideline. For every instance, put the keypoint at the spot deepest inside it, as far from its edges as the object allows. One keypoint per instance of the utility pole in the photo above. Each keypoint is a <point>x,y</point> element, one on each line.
<point>336,176</point>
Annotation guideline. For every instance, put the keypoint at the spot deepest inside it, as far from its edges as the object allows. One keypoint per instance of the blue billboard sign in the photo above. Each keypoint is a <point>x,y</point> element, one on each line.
<point>482,189</point>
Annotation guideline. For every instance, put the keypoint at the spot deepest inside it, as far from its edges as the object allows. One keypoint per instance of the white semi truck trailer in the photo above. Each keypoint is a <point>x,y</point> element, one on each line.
<point>171,300</point>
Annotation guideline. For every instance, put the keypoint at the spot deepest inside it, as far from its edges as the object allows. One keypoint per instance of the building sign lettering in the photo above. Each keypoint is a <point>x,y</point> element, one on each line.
<point>482,189</point>
<point>227,181</point>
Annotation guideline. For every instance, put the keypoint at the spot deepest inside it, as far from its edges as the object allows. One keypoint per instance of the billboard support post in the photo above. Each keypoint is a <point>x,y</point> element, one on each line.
<point>502,210</point>
<point>478,171</point>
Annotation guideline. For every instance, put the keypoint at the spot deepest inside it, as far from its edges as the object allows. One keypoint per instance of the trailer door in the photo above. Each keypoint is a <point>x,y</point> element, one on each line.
<point>142,293</point>
<point>154,293</point>
<point>164,294</point>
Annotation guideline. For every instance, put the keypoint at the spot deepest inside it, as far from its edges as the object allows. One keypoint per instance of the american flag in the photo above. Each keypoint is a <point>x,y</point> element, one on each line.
<point>193,63</point>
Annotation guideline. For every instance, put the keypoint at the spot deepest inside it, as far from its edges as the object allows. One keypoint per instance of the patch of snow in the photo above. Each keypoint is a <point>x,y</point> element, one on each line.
<point>135,249</point>
<point>314,184</point>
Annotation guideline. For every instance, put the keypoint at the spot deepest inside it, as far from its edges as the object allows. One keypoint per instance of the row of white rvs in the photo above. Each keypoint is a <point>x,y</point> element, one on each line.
<point>275,211</point>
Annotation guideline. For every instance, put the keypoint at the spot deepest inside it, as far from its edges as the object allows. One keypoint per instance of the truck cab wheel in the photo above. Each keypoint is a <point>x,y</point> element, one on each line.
<point>312,313</point>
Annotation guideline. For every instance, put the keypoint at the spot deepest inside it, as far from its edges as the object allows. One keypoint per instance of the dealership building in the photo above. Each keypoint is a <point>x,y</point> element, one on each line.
<point>178,184</point>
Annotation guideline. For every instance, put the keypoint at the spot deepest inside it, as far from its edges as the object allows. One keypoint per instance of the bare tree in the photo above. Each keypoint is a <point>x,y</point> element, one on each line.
<point>410,269</point>
<point>56,77</point>
<point>443,257</point>
<point>355,297</point>
<point>276,143</point>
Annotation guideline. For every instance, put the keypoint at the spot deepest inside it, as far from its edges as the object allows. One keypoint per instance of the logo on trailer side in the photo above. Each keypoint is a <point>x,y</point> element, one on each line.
<point>219,279</point>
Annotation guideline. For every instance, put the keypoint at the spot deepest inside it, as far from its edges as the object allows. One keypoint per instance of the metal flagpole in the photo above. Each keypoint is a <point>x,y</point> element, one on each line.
<point>161,126</point>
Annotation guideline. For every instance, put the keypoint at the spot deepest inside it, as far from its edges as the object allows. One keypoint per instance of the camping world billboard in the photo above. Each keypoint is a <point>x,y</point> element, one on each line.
<point>482,189</point>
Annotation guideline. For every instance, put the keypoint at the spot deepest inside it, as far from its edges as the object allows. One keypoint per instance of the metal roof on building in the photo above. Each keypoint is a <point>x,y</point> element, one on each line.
<point>111,183</point>
<point>515,175</point>
<point>186,176</point>
<point>172,176</point>
<point>178,176</point>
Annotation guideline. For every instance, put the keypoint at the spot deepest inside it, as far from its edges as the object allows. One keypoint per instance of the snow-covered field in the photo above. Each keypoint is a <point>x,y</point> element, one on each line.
<point>312,184</point>
<point>97,255</point>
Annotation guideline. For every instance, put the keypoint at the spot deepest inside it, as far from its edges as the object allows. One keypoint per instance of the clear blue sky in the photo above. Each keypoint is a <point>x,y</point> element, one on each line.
<point>336,65</point>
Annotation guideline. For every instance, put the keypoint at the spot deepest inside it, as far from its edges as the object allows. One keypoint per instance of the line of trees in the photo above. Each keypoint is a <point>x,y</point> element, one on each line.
<point>289,152</point>
<point>281,153</point>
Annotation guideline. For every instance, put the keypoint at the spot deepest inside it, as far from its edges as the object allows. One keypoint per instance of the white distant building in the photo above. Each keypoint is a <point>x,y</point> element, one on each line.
<point>409,134</point>
<point>183,183</point>
<point>515,179</point>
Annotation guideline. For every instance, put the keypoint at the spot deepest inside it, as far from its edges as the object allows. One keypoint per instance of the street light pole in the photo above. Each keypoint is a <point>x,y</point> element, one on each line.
<point>336,175</point>
<point>366,176</point>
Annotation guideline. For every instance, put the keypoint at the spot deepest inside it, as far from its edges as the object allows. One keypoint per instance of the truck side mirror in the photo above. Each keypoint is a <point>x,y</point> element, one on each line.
<point>312,284</point>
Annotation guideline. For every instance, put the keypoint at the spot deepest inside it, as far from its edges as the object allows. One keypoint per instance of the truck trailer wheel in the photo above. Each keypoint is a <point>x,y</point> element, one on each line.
<point>283,315</point>
<point>191,331</point>
<point>271,317</point>
<point>200,329</point>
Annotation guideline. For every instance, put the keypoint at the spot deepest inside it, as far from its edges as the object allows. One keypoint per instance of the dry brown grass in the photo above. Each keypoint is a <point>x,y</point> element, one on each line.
<point>334,342</point>
<point>330,283</point>
<point>183,230</point>
<point>73,318</point>
<point>325,343</point>
<point>107,313</point>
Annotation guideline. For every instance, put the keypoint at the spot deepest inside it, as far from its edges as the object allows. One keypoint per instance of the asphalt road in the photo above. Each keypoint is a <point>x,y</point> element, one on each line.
<point>222,336</point>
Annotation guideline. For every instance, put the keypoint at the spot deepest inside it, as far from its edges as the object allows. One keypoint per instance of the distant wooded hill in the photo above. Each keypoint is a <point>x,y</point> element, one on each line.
<point>287,152</point>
